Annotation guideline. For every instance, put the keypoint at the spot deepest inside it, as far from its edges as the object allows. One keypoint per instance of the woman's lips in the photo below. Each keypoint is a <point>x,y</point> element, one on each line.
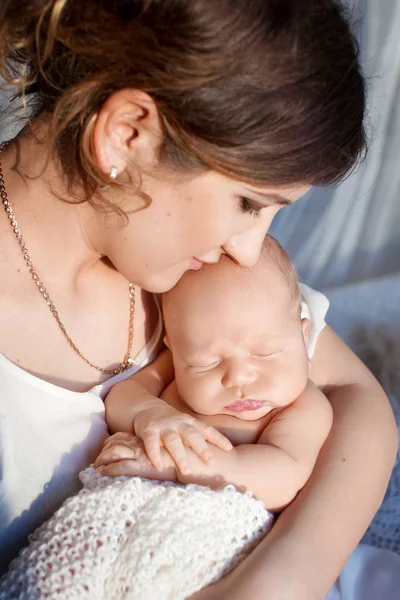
<point>196,264</point>
<point>243,405</point>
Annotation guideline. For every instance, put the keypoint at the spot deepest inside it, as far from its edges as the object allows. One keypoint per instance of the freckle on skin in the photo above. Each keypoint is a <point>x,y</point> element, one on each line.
<point>343,460</point>
<point>168,214</point>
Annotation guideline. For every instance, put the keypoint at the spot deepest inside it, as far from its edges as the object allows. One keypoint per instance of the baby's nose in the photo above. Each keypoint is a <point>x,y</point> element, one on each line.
<point>238,373</point>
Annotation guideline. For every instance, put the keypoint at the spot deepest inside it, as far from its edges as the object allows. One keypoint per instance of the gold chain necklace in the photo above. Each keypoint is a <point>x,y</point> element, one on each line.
<point>28,261</point>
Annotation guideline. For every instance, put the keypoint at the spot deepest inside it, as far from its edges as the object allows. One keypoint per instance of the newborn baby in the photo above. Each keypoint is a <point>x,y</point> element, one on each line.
<point>239,352</point>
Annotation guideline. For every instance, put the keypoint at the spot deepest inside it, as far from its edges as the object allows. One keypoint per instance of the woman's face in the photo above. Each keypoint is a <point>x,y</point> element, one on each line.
<point>191,221</point>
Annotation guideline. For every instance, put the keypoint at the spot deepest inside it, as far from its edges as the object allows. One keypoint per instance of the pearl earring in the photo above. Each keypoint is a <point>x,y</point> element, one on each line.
<point>113,173</point>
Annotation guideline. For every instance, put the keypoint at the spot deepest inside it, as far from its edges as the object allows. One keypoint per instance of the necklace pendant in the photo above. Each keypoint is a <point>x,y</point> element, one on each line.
<point>128,362</point>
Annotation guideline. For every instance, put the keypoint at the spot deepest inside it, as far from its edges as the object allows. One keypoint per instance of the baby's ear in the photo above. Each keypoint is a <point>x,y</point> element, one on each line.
<point>166,342</point>
<point>305,324</point>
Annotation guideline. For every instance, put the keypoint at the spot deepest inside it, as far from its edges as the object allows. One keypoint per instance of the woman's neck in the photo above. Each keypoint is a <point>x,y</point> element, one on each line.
<point>92,298</point>
<point>57,233</point>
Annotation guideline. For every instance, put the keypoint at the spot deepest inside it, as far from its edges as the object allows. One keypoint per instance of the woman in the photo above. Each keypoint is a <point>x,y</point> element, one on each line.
<point>162,135</point>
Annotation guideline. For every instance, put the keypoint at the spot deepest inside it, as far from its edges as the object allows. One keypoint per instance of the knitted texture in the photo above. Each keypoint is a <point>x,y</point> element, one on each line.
<point>136,539</point>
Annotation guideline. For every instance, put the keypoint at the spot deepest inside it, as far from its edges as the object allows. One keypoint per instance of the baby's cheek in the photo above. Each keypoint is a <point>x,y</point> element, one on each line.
<point>191,390</point>
<point>204,395</point>
<point>298,380</point>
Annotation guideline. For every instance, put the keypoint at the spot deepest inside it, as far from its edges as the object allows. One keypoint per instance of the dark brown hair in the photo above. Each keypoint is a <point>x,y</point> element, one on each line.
<point>268,91</point>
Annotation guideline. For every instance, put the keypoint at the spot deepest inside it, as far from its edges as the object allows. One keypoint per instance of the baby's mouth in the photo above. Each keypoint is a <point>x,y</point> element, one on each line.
<point>244,405</point>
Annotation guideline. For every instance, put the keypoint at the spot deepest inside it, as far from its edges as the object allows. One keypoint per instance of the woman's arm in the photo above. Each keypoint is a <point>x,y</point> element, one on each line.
<point>312,539</point>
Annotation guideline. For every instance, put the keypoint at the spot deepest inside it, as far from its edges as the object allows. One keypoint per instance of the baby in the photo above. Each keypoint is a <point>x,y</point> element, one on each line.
<point>241,369</point>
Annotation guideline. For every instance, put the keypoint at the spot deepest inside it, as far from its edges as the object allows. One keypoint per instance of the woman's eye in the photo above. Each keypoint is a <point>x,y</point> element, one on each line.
<point>247,207</point>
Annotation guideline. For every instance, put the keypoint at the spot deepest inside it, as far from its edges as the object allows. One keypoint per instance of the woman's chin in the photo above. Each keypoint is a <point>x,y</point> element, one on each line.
<point>162,282</point>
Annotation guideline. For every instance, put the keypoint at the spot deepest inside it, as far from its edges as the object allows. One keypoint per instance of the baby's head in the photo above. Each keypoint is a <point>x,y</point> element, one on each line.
<point>237,337</point>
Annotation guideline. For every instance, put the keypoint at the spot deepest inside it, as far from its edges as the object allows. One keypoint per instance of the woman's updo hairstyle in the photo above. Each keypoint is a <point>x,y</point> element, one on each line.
<point>268,91</point>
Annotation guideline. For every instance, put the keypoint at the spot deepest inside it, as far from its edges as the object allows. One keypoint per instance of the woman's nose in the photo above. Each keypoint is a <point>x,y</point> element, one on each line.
<point>211,257</point>
<point>245,247</point>
<point>238,373</point>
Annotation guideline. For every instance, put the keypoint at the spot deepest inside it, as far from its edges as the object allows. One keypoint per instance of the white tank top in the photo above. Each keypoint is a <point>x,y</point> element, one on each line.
<point>48,434</point>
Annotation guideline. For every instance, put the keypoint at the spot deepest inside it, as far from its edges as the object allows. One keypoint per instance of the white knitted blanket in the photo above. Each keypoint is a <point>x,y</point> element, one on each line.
<point>135,539</point>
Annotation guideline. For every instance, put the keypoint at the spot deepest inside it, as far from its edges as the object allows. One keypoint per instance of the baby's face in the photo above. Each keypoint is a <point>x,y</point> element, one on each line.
<point>238,348</point>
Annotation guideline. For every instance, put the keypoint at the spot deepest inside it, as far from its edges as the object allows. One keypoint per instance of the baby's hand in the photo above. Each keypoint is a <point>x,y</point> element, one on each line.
<point>124,454</point>
<point>160,425</point>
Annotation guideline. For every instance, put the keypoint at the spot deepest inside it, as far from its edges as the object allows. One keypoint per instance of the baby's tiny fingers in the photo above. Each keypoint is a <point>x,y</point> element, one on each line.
<point>152,445</point>
<point>214,436</point>
<point>114,453</point>
<point>173,443</point>
<point>195,440</point>
<point>111,440</point>
<point>127,467</point>
<point>122,437</point>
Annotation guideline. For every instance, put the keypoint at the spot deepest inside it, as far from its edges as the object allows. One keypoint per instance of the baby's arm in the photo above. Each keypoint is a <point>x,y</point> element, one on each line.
<point>133,406</point>
<point>127,399</point>
<point>274,469</point>
<point>281,462</point>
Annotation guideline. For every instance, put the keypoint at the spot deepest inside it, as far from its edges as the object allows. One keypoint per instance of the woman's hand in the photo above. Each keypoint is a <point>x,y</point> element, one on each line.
<point>161,426</point>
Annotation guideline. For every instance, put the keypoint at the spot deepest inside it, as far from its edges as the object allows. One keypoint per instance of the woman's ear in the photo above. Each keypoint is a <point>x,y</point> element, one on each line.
<point>166,342</point>
<point>127,130</point>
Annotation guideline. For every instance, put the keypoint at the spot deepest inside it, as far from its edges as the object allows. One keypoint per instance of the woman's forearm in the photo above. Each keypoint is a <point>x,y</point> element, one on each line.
<point>311,541</point>
<point>331,515</point>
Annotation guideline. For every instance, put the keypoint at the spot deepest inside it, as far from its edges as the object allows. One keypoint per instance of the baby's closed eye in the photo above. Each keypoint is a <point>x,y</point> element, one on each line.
<point>204,366</point>
<point>266,354</point>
